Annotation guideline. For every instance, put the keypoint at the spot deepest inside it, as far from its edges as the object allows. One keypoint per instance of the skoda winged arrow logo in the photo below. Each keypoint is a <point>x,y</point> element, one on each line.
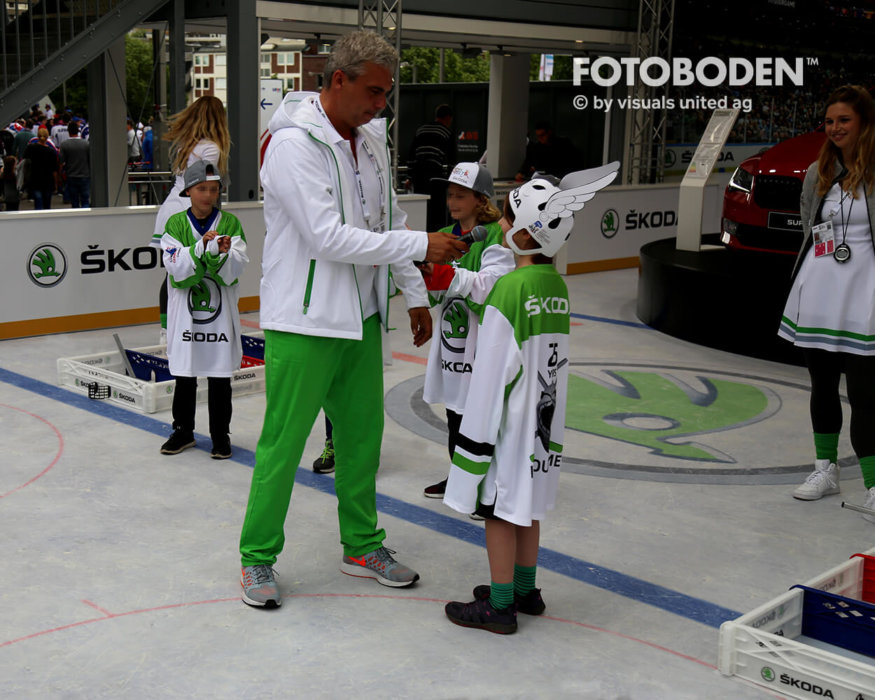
<point>46,265</point>
<point>610,219</point>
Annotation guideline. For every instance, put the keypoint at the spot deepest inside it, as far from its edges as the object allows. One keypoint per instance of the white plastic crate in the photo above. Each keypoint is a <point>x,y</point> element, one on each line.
<point>106,369</point>
<point>762,645</point>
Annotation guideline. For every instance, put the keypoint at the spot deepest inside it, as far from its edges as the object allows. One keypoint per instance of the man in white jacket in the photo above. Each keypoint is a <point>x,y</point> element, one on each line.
<point>333,229</point>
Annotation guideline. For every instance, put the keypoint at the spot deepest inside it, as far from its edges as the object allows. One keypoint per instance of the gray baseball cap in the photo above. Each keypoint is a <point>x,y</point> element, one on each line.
<point>471,175</point>
<point>200,171</point>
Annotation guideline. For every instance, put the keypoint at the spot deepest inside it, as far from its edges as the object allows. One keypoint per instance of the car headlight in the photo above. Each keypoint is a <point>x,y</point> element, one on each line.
<point>741,180</point>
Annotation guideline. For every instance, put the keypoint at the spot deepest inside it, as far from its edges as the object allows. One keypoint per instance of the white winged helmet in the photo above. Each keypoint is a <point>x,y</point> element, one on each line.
<point>546,211</point>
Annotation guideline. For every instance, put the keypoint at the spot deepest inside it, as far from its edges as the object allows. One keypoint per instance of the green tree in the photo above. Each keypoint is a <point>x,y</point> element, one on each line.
<point>563,67</point>
<point>76,93</point>
<point>424,63</point>
<point>139,92</point>
<point>138,75</point>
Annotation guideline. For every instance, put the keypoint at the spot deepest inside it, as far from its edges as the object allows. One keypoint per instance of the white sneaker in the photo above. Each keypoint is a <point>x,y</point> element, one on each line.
<point>869,503</point>
<point>823,481</point>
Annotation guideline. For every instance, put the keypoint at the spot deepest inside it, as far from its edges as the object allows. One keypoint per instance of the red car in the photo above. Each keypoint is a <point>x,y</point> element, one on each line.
<point>761,202</point>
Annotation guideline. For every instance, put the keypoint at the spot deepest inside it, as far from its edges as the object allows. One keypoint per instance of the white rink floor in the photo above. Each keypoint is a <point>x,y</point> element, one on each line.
<point>121,565</point>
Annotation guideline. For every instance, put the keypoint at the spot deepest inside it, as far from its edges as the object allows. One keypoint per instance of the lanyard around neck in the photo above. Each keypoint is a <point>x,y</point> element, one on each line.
<point>373,225</point>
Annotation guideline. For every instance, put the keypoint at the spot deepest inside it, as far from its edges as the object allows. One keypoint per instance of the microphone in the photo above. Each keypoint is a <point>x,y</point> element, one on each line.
<point>478,233</point>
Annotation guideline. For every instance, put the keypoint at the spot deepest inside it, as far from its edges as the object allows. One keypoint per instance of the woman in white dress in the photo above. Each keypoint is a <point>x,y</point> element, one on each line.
<point>199,132</point>
<point>830,312</point>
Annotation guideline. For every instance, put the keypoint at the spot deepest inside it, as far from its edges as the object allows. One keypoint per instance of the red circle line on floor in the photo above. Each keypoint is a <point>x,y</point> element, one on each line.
<point>107,615</point>
<point>53,462</point>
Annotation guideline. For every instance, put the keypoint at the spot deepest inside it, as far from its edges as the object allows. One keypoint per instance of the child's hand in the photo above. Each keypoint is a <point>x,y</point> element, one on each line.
<point>224,244</point>
<point>210,235</point>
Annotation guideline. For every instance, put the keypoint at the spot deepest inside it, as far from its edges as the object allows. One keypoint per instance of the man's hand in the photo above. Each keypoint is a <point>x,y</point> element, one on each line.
<point>420,324</point>
<point>443,247</point>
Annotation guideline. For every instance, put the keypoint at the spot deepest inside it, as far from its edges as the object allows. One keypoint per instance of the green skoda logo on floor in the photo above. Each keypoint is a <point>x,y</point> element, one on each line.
<point>669,423</point>
<point>610,220</point>
<point>661,412</point>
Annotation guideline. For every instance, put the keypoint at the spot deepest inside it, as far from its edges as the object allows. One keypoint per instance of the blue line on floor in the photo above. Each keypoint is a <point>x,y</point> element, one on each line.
<point>615,321</point>
<point>578,569</point>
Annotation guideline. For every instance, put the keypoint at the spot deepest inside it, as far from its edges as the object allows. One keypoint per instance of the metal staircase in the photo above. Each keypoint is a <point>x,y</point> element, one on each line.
<point>45,42</point>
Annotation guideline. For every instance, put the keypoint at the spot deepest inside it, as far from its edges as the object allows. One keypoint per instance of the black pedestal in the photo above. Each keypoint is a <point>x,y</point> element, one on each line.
<point>717,297</point>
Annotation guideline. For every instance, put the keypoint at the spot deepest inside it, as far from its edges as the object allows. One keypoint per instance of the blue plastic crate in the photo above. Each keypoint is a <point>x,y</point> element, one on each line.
<point>838,620</point>
<point>253,347</point>
<point>143,366</point>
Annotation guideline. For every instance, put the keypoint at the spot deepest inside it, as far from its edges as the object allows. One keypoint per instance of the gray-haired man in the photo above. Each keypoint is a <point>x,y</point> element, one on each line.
<point>333,228</point>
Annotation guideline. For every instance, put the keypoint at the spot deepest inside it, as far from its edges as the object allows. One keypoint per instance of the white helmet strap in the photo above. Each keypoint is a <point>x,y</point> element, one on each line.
<point>515,248</point>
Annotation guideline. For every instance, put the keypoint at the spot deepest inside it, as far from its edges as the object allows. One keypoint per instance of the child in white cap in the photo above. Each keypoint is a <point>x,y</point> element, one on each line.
<point>461,289</point>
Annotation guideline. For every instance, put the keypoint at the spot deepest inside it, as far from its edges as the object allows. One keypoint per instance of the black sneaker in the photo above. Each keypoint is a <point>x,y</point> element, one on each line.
<point>179,441</point>
<point>435,490</point>
<point>324,464</point>
<point>481,615</point>
<point>531,604</point>
<point>221,447</point>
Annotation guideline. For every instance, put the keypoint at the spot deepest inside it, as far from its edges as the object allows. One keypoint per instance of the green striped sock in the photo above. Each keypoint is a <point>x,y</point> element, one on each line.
<point>867,466</point>
<point>826,446</point>
<point>501,595</point>
<point>524,579</point>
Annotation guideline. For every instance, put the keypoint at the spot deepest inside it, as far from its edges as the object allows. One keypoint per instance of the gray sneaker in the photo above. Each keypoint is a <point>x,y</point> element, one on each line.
<point>380,565</point>
<point>259,586</point>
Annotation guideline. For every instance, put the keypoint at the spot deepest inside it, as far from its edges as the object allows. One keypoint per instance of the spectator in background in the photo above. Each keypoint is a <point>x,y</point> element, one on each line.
<point>22,138</point>
<point>76,159</point>
<point>10,187</point>
<point>432,153</point>
<point>7,138</point>
<point>148,148</point>
<point>41,175</point>
<point>135,153</point>
<point>549,153</point>
<point>59,133</point>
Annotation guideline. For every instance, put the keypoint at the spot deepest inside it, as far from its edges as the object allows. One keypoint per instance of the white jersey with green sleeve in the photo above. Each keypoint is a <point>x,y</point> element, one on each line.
<point>509,449</point>
<point>451,356</point>
<point>203,323</point>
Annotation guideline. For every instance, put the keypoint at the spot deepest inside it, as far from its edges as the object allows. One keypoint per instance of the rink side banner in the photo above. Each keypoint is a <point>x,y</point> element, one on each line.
<point>610,230</point>
<point>70,270</point>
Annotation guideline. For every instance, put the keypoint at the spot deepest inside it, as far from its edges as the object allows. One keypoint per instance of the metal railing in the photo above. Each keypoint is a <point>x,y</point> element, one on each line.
<point>148,186</point>
<point>33,31</point>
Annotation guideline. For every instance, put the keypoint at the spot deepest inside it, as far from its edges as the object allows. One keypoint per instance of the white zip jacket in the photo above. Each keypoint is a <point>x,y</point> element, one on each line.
<point>316,234</point>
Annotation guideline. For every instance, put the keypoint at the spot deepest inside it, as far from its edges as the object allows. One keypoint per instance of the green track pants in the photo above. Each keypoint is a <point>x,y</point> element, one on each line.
<point>303,374</point>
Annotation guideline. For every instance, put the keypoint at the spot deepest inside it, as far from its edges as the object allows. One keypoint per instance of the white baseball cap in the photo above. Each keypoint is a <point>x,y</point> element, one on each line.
<point>471,175</point>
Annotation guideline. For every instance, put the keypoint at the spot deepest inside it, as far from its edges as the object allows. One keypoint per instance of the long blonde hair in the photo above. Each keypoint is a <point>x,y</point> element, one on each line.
<point>486,212</point>
<point>203,119</point>
<point>861,169</point>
